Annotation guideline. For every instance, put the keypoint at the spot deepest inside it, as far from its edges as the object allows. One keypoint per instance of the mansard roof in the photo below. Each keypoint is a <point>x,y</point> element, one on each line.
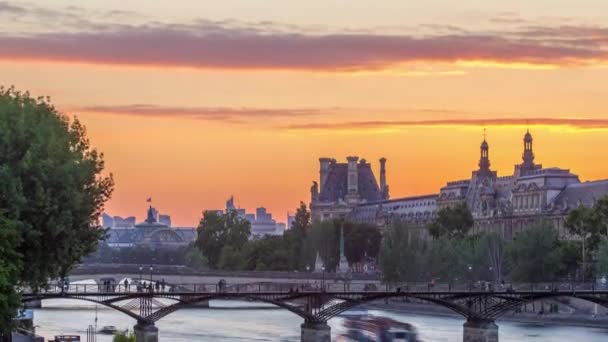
<point>335,187</point>
<point>582,193</point>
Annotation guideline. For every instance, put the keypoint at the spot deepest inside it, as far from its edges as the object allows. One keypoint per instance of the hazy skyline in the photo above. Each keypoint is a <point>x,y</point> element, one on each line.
<point>200,101</point>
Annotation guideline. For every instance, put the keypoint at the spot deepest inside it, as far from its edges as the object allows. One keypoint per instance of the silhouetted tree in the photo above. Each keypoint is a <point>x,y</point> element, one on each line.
<point>217,231</point>
<point>52,191</point>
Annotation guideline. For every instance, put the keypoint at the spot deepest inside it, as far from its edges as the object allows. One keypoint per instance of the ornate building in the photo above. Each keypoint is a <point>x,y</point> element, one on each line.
<point>150,234</point>
<point>343,187</point>
<point>505,205</point>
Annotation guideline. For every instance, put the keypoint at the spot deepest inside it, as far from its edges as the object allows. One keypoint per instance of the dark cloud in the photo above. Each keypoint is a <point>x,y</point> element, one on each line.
<point>231,44</point>
<point>215,46</point>
<point>576,123</point>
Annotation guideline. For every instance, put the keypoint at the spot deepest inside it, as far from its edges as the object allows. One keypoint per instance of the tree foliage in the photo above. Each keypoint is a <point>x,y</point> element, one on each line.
<point>453,222</point>
<point>10,266</point>
<point>51,190</point>
<point>123,337</point>
<point>602,258</point>
<point>399,253</point>
<point>294,240</point>
<point>217,231</point>
<point>584,223</point>
<point>534,254</point>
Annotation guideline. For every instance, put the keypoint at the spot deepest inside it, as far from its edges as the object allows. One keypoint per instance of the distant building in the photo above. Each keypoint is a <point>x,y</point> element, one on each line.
<point>345,186</point>
<point>151,233</point>
<point>262,222</point>
<point>505,205</point>
<point>290,220</point>
<point>165,219</point>
<point>108,221</point>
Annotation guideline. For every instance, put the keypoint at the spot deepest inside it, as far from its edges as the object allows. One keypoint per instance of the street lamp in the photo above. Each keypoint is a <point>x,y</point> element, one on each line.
<point>151,269</point>
<point>141,269</point>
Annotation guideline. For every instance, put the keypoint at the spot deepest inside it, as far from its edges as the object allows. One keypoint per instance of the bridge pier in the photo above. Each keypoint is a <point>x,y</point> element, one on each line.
<point>315,332</point>
<point>480,331</point>
<point>145,332</point>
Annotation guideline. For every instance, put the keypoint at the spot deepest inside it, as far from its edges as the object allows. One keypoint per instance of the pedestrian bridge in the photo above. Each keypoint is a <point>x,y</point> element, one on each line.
<point>315,305</point>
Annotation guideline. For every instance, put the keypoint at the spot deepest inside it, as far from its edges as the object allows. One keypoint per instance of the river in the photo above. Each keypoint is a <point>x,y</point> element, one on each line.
<point>228,321</point>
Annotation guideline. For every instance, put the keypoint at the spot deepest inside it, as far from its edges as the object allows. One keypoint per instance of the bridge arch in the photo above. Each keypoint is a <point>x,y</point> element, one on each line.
<point>280,302</point>
<point>500,309</point>
<point>349,303</point>
<point>90,300</point>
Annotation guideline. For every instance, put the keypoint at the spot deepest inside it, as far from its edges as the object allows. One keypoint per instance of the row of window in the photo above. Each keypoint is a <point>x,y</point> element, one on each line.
<point>527,201</point>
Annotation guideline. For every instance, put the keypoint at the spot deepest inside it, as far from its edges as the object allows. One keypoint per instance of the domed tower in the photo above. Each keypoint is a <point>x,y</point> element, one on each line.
<point>528,165</point>
<point>484,160</point>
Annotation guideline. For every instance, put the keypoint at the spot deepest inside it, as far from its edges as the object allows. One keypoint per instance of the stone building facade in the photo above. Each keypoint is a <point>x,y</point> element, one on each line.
<point>505,205</point>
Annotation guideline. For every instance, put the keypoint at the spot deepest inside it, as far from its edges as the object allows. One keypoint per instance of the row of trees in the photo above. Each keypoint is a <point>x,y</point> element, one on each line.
<point>224,240</point>
<point>535,255</point>
<point>52,192</point>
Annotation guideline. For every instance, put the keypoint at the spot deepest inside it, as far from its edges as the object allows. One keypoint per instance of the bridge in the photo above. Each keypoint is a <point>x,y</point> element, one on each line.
<point>315,306</point>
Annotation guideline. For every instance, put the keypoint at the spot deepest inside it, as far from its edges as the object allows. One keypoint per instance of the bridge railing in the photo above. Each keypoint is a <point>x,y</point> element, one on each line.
<point>313,286</point>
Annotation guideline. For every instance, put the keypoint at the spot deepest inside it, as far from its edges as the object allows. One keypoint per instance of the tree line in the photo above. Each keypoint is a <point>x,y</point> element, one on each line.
<point>537,254</point>
<point>223,238</point>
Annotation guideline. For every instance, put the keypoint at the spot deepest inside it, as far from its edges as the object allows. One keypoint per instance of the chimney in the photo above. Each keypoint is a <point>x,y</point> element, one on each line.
<point>353,176</point>
<point>383,188</point>
<point>323,171</point>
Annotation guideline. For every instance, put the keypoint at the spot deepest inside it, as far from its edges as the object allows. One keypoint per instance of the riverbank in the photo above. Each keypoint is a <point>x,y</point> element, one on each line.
<point>574,319</point>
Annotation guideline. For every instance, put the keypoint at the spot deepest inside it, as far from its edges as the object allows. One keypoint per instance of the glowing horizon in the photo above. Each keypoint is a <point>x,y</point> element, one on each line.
<point>243,100</point>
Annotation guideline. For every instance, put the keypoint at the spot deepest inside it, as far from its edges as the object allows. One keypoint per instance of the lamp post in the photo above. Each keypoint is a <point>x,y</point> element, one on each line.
<point>141,269</point>
<point>151,269</point>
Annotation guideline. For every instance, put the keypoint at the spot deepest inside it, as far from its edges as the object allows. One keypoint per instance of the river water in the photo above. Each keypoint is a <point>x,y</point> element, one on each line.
<point>243,321</point>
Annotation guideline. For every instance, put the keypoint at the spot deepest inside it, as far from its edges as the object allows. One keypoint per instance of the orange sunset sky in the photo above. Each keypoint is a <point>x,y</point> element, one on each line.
<point>193,101</point>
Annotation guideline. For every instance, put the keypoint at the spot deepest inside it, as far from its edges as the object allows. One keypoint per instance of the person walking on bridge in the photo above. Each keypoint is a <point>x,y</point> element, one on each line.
<point>127,285</point>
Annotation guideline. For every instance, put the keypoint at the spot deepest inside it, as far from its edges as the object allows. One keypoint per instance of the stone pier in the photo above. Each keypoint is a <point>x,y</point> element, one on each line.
<point>480,331</point>
<point>315,332</point>
<point>145,332</point>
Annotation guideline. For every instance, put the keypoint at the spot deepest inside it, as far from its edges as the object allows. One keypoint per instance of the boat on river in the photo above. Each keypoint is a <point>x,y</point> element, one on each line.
<point>363,327</point>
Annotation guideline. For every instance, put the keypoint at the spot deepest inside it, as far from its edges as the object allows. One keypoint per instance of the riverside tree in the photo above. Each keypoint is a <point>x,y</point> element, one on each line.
<point>221,236</point>
<point>52,191</point>
<point>453,222</point>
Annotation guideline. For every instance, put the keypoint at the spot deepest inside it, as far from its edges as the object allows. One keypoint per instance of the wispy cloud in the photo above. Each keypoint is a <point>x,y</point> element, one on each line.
<point>226,114</point>
<point>270,46</point>
<point>334,118</point>
<point>6,7</point>
<point>384,124</point>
